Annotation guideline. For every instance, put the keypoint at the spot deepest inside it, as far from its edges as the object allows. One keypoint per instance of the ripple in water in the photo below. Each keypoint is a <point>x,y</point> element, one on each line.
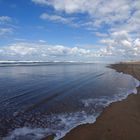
<point>40,100</point>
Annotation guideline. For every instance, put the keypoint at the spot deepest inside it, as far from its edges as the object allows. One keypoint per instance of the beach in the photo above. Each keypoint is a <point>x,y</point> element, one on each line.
<point>69,70</point>
<point>119,121</point>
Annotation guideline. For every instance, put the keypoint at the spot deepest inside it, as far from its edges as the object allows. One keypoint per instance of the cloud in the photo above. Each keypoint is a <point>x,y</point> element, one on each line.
<point>43,51</point>
<point>42,41</point>
<point>101,34</point>
<point>67,5</point>
<point>5,31</point>
<point>121,43</point>
<point>120,14</point>
<point>42,2</point>
<point>137,43</point>
<point>95,8</point>
<point>128,49</point>
<point>6,27</point>
<point>5,19</point>
<point>119,19</point>
<point>57,18</point>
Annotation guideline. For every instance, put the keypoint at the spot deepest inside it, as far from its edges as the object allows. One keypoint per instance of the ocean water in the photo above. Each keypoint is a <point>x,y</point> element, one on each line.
<point>40,99</point>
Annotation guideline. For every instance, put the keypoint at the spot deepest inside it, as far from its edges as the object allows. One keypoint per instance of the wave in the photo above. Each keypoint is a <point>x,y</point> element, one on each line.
<point>106,100</point>
<point>65,122</point>
<point>60,124</point>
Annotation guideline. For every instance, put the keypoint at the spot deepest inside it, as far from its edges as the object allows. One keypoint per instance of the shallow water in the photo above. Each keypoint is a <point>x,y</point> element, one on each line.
<point>41,99</point>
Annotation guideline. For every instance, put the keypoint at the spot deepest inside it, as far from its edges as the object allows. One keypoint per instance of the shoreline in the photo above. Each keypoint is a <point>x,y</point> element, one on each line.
<point>120,120</point>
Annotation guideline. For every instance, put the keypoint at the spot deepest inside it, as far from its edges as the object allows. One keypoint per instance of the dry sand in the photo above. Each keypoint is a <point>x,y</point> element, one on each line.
<point>119,121</point>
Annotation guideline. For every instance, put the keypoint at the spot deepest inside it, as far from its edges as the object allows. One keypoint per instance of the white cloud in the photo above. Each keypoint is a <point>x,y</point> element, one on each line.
<point>129,49</point>
<point>99,34</point>
<point>43,51</point>
<point>122,44</point>
<point>5,31</point>
<point>42,41</point>
<point>5,26</point>
<point>57,18</point>
<point>111,10</point>
<point>107,41</point>
<point>120,19</point>
<point>40,2</point>
<point>120,35</point>
<point>126,43</point>
<point>120,14</point>
<point>5,19</point>
<point>137,43</point>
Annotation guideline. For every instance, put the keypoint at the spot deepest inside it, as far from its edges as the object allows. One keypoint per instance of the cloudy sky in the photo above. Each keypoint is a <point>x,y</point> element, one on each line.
<point>70,30</point>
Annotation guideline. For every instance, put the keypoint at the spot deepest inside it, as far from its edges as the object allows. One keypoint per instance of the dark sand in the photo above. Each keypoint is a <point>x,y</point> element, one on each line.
<point>119,121</point>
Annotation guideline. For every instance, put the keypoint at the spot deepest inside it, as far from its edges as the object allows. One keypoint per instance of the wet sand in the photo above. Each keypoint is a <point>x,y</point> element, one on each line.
<point>119,121</point>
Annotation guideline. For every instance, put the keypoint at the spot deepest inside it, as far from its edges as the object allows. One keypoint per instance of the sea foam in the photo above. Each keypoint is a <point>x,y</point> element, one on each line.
<point>65,122</point>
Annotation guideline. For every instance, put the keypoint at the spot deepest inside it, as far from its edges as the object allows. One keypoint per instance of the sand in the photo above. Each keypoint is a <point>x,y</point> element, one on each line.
<point>118,121</point>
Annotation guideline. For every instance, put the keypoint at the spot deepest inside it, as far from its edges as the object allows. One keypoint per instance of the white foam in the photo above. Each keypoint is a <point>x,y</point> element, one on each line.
<point>70,121</point>
<point>65,122</point>
<point>27,133</point>
<point>106,100</point>
<point>123,93</point>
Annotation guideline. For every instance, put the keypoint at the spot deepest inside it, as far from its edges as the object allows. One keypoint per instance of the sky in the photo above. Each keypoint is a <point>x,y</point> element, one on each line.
<point>70,30</point>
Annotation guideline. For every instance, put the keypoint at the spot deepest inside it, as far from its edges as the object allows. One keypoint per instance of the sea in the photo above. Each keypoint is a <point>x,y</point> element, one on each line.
<point>39,99</point>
